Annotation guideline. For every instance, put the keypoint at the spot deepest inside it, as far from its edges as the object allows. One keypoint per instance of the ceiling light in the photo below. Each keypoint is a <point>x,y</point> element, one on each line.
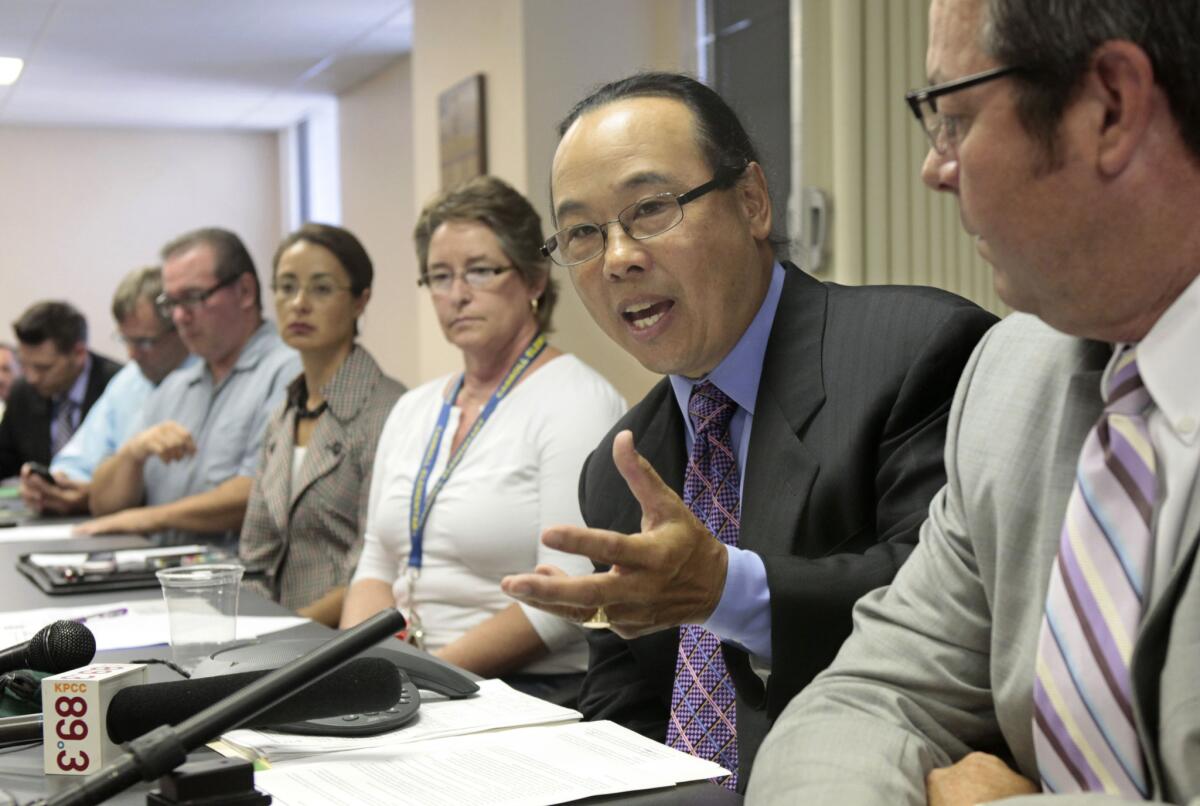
<point>10,68</point>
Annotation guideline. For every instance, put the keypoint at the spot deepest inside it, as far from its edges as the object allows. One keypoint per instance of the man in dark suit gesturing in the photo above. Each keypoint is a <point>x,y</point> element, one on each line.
<point>802,422</point>
<point>61,380</point>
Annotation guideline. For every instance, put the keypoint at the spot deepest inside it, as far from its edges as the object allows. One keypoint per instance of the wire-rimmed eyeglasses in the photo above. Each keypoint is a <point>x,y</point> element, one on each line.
<point>645,218</point>
<point>318,289</point>
<point>142,343</point>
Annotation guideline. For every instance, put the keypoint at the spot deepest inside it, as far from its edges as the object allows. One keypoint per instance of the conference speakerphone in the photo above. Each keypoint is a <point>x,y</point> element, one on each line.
<point>370,724</point>
<point>417,671</point>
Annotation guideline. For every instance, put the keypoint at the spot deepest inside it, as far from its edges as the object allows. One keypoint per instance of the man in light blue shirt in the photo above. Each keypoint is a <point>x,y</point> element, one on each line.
<point>189,468</point>
<point>155,349</point>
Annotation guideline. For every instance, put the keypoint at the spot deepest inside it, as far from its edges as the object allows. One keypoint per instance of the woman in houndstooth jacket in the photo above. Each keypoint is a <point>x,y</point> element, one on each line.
<point>304,522</point>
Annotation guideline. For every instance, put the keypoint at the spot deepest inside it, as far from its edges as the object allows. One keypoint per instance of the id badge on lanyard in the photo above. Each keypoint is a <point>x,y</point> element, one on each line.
<point>415,633</point>
<point>423,497</point>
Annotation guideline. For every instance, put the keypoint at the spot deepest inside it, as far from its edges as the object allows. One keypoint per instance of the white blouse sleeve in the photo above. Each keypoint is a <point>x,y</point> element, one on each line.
<point>573,420</point>
<point>379,559</point>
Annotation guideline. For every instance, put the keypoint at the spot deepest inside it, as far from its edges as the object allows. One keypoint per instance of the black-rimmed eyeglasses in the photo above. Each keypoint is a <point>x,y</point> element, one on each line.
<point>190,300</point>
<point>943,131</point>
<point>643,219</point>
<point>440,281</point>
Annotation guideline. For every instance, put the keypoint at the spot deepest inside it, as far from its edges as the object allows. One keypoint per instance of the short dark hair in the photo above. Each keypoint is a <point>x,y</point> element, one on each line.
<point>56,321</point>
<point>722,139</point>
<point>1054,42</point>
<point>342,244</point>
<point>511,218</point>
<point>232,258</point>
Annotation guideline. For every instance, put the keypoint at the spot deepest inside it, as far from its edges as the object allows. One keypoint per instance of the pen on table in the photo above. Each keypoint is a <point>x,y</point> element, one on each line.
<point>120,611</point>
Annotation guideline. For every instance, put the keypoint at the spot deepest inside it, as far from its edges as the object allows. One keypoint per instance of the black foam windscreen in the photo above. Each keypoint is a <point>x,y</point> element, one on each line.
<point>362,685</point>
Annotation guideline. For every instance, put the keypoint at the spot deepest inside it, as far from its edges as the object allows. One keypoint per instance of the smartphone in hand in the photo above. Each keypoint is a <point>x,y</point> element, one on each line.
<point>39,469</point>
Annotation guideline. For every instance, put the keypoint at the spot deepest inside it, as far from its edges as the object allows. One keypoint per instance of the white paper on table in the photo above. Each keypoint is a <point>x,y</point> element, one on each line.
<point>496,706</point>
<point>523,767</point>
<point>124,625</point>
<point>45,531</point>
<point>137,557</point>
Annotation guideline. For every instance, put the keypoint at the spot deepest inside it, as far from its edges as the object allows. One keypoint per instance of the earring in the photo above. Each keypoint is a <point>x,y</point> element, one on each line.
<point>533,306</point>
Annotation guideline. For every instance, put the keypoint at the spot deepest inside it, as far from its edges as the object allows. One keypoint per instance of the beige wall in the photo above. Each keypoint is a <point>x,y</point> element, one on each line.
<point>539,56</point>
<point>453,39</point>
<point>571,48</point>
<point>863,147</point>
<point>81,207</point>
<point>375,134</point>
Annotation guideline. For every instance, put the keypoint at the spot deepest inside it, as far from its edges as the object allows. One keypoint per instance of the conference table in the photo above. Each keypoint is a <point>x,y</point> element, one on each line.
<point>21,769</point>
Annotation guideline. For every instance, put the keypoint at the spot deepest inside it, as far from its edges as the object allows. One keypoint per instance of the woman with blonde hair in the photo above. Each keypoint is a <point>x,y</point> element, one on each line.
<point>473,466</point>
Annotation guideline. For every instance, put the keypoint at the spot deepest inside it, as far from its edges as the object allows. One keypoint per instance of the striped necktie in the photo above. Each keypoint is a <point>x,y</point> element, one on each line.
<point>64,425</point>
<point>1084,730</point>
<point>703,719</point>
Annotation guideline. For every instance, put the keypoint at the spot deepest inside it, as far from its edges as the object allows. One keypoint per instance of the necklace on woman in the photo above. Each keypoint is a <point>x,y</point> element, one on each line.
<point>298,399</point>
<point>305,413</point>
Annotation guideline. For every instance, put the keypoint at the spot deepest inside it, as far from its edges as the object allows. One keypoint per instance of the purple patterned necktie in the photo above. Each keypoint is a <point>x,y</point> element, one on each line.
<point>64,425</point>
<point>1083,726</point>
<point>703,716</point>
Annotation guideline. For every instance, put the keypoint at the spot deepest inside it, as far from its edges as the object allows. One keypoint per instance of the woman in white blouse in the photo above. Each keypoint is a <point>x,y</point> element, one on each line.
<point>514,428</point>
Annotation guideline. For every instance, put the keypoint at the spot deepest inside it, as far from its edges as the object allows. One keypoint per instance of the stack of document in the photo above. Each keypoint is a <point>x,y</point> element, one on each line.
<point>41,531</point>
<point>496,706</point>
<point>124,625</point>
<point>523,767</point>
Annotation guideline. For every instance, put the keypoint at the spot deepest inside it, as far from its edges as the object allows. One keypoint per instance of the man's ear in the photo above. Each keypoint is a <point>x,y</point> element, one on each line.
<point>1121,83</point>
<point>755,201</point>
<point>79,354</point>
<point>246,285</point>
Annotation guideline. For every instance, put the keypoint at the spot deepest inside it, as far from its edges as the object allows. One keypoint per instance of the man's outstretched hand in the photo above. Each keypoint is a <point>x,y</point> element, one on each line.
<point>670,573</point>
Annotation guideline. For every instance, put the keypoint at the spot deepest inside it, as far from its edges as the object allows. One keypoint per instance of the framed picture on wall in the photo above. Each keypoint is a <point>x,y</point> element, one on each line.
<point>462,131</point>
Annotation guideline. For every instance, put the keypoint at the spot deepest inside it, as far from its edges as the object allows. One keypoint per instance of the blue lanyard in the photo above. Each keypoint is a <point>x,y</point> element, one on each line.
<point>422,496</point>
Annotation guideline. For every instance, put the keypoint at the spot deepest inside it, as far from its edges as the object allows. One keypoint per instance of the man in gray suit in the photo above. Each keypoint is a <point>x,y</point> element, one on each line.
<point>1044,638</point>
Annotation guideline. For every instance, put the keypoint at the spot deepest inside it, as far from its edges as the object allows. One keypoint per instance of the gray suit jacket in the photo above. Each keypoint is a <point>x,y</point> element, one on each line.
<point>309,536</point>
<point>942,662</point>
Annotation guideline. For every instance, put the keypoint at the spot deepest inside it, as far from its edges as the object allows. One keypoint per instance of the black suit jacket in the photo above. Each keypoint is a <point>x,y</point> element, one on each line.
<point>845,454</point>
<point>25,429</point>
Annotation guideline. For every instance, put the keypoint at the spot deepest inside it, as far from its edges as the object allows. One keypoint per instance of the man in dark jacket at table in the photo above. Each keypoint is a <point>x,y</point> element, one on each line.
<point>61,379</point>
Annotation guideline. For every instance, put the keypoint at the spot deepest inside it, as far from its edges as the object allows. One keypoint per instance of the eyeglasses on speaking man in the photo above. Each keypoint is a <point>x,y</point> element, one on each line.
<point>645,218</point>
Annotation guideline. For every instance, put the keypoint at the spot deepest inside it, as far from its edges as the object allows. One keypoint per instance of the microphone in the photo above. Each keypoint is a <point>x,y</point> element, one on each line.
<point>20,729</point>
<point>165,748</point>
<point>362,685</point>
<point>58,647</point>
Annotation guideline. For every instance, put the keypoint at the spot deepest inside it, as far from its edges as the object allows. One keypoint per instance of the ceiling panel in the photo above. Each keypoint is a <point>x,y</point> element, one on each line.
<point>218,63</point>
